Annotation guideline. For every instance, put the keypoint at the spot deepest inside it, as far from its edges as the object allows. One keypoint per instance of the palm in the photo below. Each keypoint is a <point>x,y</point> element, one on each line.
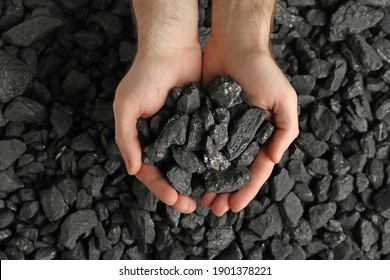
<point>142,93</point>
<point>266,87</point>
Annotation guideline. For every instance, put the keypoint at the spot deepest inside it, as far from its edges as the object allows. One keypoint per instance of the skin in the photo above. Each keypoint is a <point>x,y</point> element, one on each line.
<point>169,55</point>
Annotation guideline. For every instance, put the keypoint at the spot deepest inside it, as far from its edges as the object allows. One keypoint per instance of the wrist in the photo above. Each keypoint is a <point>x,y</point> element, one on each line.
<point>246,24</point>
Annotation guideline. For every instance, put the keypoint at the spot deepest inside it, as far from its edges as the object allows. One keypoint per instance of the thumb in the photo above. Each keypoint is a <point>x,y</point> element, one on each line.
<point>126,114</point>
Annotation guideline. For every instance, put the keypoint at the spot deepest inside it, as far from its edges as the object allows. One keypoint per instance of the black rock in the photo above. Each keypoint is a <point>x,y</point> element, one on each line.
<point>280,249</point>
<point>361,182</point>
<point>366,54</point>
<point>341,187</point>
<point>291,209</point>
<point>227,181</point>
<point>357,162</point>
<point>15,77</point>
<point>46,253</point>
<point>83,143</point>
<point>6,217</point>
<point>338,164</point>
<point>243,132</point>
<point>318,167</point>
<point>173,133</point>
<point>337,73</point>
<point>381,201</point>
<point>297,171</point>
<point>375,173</point>
<point>189,100</point>
<point>218,239</point>
<point>61,121</point>
<point>323,122</point>
<point>352,18</point>
<point>297,253</point>
<point>233,252</point>
<point>23,109</point>
<point>281,185</point>
<point>248,156</point>
<point>267,224</point>
<point>28,209</point>
<point>32,30</point>
<point>303,84</point>
<point>141,225</point>
<point>264,132</point>
<point>318,68</point>
<point>382,48</point>
<point>75,225</point>
<point>73,4</point>
<point>53,204</point>
<point>10,151</point>
<point>217,138</point>
<point>187,160</point>
<point>320,214</point>
<point>173,97</point>
<point>180,180</point>
<point>217,162</point>
<point>367,235</point>
<point>88,40</point>
<point>303,192</point>
<point>68,188</point>
<point>310,145</point>
<point>74,82</point>
<point>94,179</point>
<point>9,182</point>
<point>302,233</point>
<point>225,92</point>
<point>200,123</point>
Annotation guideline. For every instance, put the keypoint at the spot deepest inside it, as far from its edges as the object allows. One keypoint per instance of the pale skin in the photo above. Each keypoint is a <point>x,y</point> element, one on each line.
<point>169,55</point>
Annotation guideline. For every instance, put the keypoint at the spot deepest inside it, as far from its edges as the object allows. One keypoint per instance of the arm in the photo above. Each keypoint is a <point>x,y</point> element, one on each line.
<point>168,55</point>
<point>239,47</point>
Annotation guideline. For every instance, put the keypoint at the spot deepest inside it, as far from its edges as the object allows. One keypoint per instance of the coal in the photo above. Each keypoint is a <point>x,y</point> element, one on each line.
<point>75,225</point>
<point>10,151</point>
<point>281,185</point>
<point>291,209</point>
<point>15,77</point>
<point>53,204</point>
<point>189,100</point>
<point>9,182</point>
<point>173,133</point>
<point>180,180</point>
<point>320,214</point>
<point>267,224</point>
<point>227,181</point>
<point>366,54</point>
<point>187,160</point>
<point>225,92</point>
<point>6,217</point>
<point>74,82</point>
<point>141,225</point>
<point>94,180</point>
<point>352,18</point>
<point>23,109</point>
<point>368,235</point>
<point>32,30</point>
<point>381,201</point>
<point>244,131</point>
<point>323,122</point>
<point>341,187</point>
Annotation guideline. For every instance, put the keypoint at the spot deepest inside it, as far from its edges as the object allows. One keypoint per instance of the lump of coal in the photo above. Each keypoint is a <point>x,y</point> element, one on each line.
<point>75,225</point>
<point>15,77</point>
<point>248,156</point>
<point>23,109</point>
<point>173,133</point>
<point>281,185</point>
<point>323,122</point>
<point>291,209</point>
<point>10,151</point>
<point>9,182</point>
<point>225,92</point>
<point>268,224</point>
<point>320,214</point>
<point>189,100</point>
<point>366,54</point>
<point>381,201</point>
<point>187,160</point>
<point>244,131</point>
<point>180,180</point>
<point>352,18</point>
<point>227,181</point>
<point>30,31</point>
<point>53,204</point>
<point>264,132</point>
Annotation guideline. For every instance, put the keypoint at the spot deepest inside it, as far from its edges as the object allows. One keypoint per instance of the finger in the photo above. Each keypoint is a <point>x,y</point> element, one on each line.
<point>220,204</point>
<point>152,178</point>
<point>207,199</point>
<point>185,204</point>
<point>126,134</point>
<point>261,169</point>
<point>286,121</point>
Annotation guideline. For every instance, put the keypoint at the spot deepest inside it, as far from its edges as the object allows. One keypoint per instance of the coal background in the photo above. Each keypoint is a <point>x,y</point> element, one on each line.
<point>64,190</point>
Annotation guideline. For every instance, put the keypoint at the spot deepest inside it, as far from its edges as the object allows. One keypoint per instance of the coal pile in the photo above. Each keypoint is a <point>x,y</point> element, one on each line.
<point>64,190</point>
<point>205,141</point>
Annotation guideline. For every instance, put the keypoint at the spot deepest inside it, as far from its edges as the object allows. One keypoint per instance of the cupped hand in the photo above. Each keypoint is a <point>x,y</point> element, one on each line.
<point>264,86</point>
<point>141,94</point>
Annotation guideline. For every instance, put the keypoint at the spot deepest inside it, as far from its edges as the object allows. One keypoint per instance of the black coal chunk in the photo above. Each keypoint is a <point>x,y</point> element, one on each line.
<point>291,209</point>
<point>32,30</point>
<point>217,161</point>
<point>24,109</point>
<point>75,225</point>
<point>320,214</point>
<point>341,187</point>
<point>189,100</point>
<point>9,182</point>
<point>248,156</point>
<point>282,184</point>
<point>10,151</point>
<point>244,131</point>
<point>268,224</point>
<point>73,4</point>
<point>6,217</point>
<point>280,249</point>
<point>352,18</point>
<point>225,92</point>
<point>323,122</point>
<point>314,148</point>
<point>53,204</point>
<point>180,180</point>
<point>365,53</point>
<point>145,199</point>
<point>367,234</point>
<point>74,82</point>
<point>141,225</point>
<point>200,123</point>
<point>265,132</point>
<point>173,133</point>
<point>187,160</point>
<point>15,77</point>
<point>94,179</point>
<point>381,201</point>
<point>227,181</point>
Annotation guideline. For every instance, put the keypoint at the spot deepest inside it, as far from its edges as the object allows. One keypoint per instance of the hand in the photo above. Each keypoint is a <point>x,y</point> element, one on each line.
<point>266,87</point>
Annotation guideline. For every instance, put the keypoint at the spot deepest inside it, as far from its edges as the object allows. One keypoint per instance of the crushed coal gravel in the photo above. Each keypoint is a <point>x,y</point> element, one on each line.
<point>64,189</point>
